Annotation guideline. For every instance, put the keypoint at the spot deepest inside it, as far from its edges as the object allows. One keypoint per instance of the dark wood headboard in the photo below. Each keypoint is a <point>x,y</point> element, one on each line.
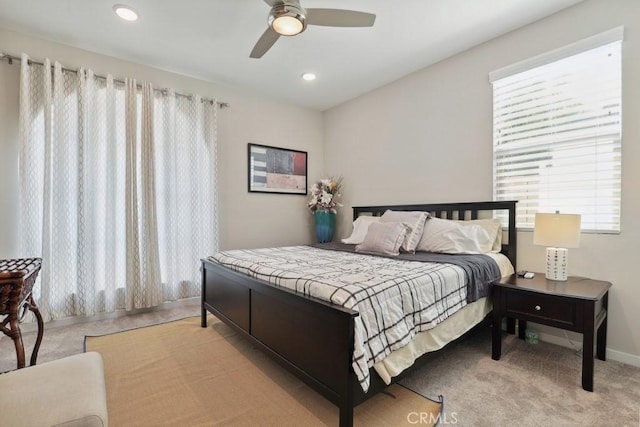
<point>460,211</point>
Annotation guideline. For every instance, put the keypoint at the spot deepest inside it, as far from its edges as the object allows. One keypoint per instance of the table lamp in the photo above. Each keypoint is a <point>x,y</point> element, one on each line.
<point>558,232</point>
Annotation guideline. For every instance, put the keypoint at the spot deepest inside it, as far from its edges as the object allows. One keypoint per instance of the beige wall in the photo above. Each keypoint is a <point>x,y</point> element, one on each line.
<point>424,138</point>
<point>246,219</point>
<point>428,138</point>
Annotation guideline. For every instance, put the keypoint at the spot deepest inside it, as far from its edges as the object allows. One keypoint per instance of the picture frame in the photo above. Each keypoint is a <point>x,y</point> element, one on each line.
<point>276,170</point>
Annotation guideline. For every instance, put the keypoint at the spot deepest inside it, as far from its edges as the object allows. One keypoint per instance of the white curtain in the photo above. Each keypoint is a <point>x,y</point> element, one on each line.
<point>185,158</point>
<point>117,190</point>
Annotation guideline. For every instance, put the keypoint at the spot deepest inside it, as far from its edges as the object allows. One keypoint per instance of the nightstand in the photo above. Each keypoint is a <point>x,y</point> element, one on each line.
<point>577,304</point>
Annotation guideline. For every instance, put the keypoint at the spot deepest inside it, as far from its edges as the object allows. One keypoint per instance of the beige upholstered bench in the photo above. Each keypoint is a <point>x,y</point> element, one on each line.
<point>66,392</point>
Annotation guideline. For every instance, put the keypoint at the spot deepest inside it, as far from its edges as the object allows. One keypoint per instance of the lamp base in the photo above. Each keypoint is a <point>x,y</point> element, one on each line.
<point>557,264</point>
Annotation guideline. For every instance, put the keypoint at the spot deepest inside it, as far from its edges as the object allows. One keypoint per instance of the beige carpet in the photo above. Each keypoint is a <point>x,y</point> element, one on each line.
<point>178,373</point>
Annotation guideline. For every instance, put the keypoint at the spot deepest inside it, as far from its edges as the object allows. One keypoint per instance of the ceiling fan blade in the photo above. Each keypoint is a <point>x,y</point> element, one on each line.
<point>272,2</point>
<point>268,38</point>
<point>339,18</point>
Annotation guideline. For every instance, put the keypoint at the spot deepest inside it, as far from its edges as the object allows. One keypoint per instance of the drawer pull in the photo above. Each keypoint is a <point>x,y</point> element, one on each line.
<point>537,307</point>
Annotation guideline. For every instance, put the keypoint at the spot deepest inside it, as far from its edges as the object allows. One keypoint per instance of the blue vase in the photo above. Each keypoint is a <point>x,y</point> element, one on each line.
<point>325,224</point>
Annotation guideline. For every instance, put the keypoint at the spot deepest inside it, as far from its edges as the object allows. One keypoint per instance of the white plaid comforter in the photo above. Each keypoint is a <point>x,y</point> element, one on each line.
<point>395,298</point>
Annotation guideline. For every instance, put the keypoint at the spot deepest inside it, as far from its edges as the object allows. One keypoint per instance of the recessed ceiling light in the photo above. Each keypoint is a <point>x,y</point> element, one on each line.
<point>308,76</point>
<point>125,12</point>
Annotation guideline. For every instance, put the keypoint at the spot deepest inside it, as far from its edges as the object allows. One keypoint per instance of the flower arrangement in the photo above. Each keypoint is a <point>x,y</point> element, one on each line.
<point>324,194</point>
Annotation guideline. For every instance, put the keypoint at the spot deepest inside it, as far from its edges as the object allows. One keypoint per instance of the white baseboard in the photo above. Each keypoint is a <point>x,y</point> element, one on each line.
<point>626,358</point>
<point>563,341</point>
<point>618,356</point>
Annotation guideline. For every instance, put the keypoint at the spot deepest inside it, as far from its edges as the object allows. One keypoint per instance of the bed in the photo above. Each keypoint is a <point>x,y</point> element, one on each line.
<point>295,327</point>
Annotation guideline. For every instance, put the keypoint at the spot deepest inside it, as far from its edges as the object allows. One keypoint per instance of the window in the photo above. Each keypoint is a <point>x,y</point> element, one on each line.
<point>557,133</point>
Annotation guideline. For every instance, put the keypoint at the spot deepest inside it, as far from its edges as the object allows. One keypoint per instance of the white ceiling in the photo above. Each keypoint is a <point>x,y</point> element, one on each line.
<point>212,39</point>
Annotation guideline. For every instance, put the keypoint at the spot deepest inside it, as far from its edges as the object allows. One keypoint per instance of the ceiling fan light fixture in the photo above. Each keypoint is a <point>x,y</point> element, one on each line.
<point>287,26</point>
<point>287,20</point>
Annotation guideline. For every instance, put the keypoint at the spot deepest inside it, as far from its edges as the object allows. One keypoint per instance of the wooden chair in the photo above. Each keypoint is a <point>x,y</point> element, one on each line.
<point>17,277</point>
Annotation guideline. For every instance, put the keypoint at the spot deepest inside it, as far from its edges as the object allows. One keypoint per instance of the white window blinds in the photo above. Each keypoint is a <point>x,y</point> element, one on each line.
<point>557,138</point>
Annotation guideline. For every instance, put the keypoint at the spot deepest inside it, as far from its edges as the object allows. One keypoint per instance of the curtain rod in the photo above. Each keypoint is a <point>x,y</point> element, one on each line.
<point>11,58</point>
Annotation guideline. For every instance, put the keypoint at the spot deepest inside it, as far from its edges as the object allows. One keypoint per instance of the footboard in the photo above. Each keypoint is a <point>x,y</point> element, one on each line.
<point>309,337</point>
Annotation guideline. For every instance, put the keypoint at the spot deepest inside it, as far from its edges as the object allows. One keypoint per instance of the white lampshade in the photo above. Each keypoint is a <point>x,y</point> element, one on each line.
<point>557,230</point>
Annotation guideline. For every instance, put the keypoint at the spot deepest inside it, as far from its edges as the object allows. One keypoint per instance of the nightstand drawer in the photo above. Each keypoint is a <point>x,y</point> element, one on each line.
<point>541,307</point>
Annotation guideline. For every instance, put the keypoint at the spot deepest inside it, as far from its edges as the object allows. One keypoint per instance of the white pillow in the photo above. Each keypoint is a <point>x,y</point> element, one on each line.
<point>383,238</point>
<point>446,236</point>
<point>360,227</point>
<point>414,220</point>
<point>493,227</point>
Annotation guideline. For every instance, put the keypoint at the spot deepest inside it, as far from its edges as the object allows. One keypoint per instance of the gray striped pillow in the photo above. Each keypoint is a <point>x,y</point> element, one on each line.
<point>383,238</point>
<point>414,220</point>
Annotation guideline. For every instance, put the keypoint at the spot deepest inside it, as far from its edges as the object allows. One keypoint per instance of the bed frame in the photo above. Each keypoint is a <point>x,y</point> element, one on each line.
<point>311,338</point>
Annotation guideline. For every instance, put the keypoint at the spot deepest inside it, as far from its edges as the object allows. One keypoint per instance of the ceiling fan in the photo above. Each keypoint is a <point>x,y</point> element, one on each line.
<point>288,18</point>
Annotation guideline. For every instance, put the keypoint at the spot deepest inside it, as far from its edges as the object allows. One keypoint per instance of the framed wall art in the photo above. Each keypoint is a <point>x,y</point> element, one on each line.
<point>277,170</point>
